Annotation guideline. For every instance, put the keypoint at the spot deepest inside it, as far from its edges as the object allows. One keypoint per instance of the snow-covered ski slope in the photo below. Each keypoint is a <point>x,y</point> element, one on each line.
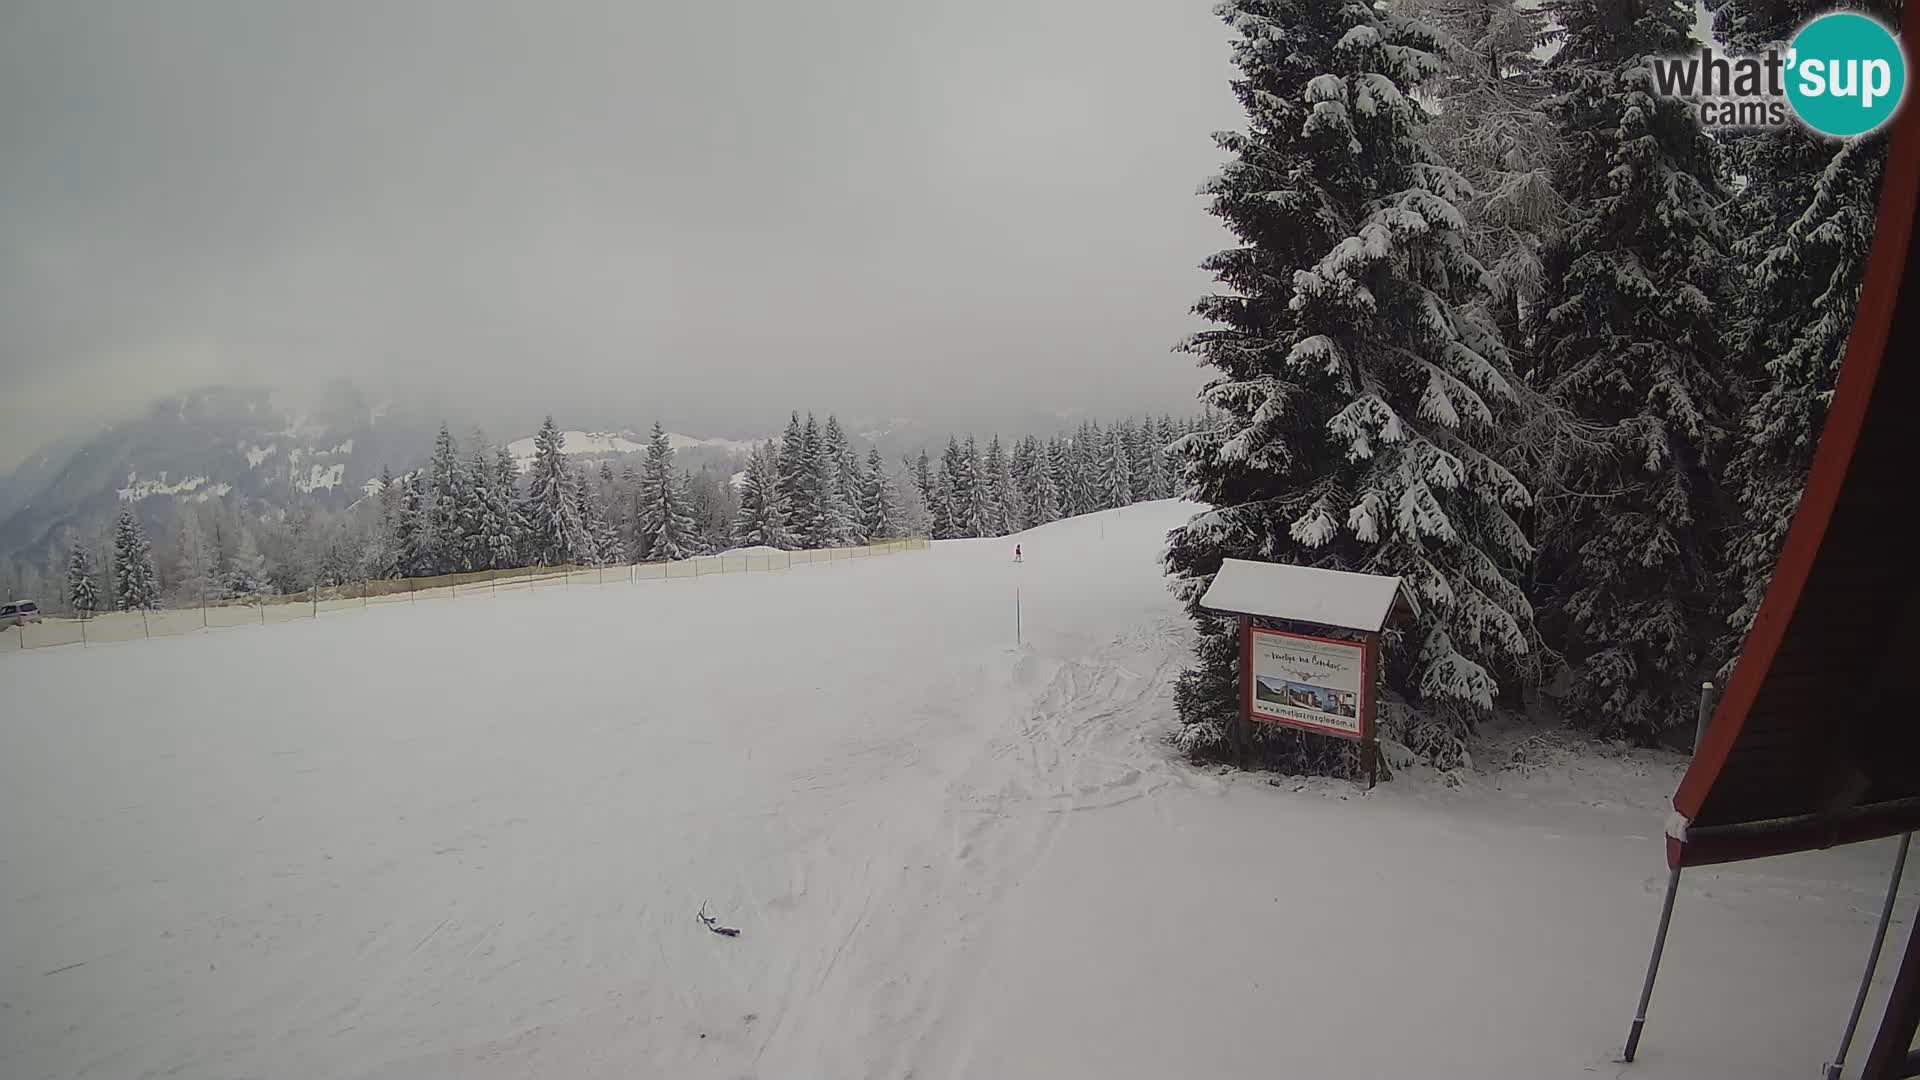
<point>471,840</point>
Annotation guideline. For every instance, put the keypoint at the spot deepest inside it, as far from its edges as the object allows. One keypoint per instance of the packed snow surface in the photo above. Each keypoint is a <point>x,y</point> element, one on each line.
<point>472,841</point>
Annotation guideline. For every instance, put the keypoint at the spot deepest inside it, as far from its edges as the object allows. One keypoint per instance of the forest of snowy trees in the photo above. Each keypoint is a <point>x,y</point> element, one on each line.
<point>1504,323</point>
<point>472,508</point>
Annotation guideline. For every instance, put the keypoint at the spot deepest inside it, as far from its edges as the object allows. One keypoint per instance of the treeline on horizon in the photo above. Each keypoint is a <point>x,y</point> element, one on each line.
<point>470,508</point>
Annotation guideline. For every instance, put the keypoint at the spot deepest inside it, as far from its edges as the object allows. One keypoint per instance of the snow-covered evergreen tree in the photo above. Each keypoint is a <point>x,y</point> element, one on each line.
<point>626,515</point>
<point>1139,459</point>
<point>832,476</point>
<point>1491,125</point>
<point>1085,493</point>
<point>802,503</point>
<point>506,488</point>
<point>413,551</point>
<point>1020,469</point>
<point>712,503</point>
<point>135,585</point>
<point>555,533</point>
<point>389,510</point>
<point>995,491</point>
<point>880,517</point>
<point>1053,499</point>
<point>922,475</point>
<point>488,527</point>
<point>666,523</point>
<point>1358,397</point>
<point>1156,483</point>
<point>941,502</point>
<point>448,506</point>
<point>601,545</point>
<point>1805,221</point>
<point>763,508</point>
<point>1630,339</point>
<point>969,492</point>
<point>1117,474</point>
<point>83,591</point>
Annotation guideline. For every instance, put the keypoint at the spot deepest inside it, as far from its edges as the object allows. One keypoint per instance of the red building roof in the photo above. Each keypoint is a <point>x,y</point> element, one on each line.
<point>1816,740</point>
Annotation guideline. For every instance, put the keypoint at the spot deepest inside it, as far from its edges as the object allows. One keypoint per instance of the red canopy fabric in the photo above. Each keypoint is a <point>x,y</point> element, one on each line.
<point>1816,740</point>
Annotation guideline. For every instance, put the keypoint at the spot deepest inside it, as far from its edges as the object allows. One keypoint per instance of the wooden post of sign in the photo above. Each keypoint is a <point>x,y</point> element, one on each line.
<point>1241,722</point>
<point>1369,724</point>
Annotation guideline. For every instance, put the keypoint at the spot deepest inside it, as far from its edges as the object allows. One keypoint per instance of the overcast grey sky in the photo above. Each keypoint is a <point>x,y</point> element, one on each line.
<point>709,211</point>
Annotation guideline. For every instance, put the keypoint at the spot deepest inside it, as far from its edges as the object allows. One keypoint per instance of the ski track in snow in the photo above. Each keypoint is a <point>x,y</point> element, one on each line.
<point>470,839</point>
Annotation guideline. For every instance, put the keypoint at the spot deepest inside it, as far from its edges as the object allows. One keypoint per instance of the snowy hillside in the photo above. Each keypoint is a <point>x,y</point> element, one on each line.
<point>948,851</point>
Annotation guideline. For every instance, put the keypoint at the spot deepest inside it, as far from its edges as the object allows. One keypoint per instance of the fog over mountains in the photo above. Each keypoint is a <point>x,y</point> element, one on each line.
<point>272,450</point>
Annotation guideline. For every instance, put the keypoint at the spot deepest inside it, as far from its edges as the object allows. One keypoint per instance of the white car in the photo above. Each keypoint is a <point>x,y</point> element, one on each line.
<point>18,613</point>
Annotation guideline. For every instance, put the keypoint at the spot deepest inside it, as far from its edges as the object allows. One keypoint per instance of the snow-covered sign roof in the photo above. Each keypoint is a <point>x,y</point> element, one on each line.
<point>1303,594</point>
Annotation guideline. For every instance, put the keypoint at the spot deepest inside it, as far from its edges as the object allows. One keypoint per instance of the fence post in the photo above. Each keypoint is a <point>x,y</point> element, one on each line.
<point>145,632</point>
<point>83,632</point>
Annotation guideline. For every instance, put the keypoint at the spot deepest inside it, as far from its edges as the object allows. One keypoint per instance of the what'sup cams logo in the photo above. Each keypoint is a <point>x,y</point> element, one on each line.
<point>1843,74</point>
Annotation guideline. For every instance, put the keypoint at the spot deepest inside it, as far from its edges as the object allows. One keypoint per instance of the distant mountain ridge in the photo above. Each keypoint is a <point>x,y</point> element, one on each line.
<point>206,444</point>
<point>241,442</point>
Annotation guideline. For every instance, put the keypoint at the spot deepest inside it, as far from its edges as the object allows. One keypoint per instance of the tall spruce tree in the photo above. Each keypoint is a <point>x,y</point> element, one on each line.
<point>555,533</point>
<point>83,592</point>
<point>488,525</point>
<point>1020,479</point>
<point>969,492</point>
<point>1117,473</point>
<point>1805,220</point>
<point>762,520</point>
<point>1358,397</point>
<point>135,585</point>
<point>829,475</point>
<point>602,545</point>
<point>1491,123</point>
<point>854,476</point>
<point>1629,339</point>
<point>1057,481</point>
<point>666,522</point>
<point>943,506</point>
<point>802,503</point>
<point>506,488</point>
<point>414,554</point>
<point>994,491</point>
<point>1155,484</point>
<point>880,517</point>
<point>448,506</point>
<point>922,474</point>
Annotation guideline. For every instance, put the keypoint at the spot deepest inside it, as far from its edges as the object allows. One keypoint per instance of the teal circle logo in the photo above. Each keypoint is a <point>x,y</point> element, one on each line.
<point>1846,74</point>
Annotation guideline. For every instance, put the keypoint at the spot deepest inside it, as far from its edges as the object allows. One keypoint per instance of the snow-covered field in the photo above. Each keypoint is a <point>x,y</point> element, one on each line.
<point>471,839</point>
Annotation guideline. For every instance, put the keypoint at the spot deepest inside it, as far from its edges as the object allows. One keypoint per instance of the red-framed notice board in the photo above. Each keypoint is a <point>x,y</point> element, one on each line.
<point>1320,684</point>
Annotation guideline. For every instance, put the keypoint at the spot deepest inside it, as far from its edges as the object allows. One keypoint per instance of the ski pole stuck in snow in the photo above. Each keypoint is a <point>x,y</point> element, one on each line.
<point>713,924</point>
